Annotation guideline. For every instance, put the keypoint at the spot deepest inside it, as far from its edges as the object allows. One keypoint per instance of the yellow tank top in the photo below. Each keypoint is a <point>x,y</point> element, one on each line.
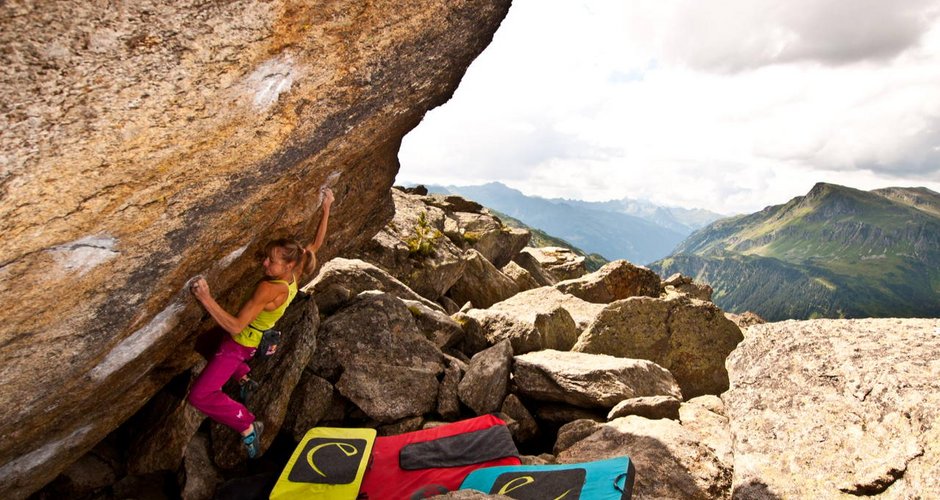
<point>251,335</point>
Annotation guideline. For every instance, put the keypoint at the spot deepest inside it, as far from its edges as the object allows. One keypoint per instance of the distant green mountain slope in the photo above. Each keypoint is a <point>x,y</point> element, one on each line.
<point>836,252</point>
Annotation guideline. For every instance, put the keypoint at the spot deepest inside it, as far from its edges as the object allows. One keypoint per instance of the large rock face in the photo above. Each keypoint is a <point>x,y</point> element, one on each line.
<point>147,143</point>
<point>836,408</point>
<point>689,337</point>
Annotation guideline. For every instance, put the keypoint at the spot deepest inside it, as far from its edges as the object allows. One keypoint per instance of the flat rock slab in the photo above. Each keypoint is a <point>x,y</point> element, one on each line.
<point>836,408</point>
<point>589,380</point>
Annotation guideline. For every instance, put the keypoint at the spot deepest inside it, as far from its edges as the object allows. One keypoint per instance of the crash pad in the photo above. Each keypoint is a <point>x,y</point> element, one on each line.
<point>434,461</point>
<point>601,480</point>
<point>329,463</point>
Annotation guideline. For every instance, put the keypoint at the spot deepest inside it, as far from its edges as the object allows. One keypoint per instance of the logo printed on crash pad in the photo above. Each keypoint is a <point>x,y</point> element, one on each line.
<point>328,461</point>
<point>531,485</point>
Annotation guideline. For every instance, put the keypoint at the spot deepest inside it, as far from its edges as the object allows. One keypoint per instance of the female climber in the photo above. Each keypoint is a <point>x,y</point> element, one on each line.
<point>285,261</point>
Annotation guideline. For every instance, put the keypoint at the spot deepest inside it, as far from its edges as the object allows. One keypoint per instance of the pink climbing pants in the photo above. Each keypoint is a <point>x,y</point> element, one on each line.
<point>206,393</point>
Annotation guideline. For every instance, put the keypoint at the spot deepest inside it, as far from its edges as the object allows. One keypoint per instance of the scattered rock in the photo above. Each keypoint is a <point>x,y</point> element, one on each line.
<point>375,328</point>
<point>669,460</point>
<point>483,386</point>
<point>574,431</point>
<point>547,299</point>
<point>689,337</point>
<point>450,307</point>
<point>341,280</point>
<point>560,414</point>
<point>530,263</point>
<point>454,203</point>
<point>413,248</point>
<point>522,278</point>
<point>309,404</point>
<point>199,476</point>
<point>745,319</point>
<point>543,459</point>
<point>524,427</point>
<point>651,407</point>
<point>168,425</point>
<point>614,281</point>
<point>683,284</point>
<point>560,263</point>
<point>419,190</point>
<point>487,235</point>
<point>388,393</point>
<point>481,283</point>
<point>825,408</point>
<point>442,330</point>
<point>527,330</point>
<point>409,424</point>
<point>448,400</point>
<point>474,338</point>
<point>589,380</point>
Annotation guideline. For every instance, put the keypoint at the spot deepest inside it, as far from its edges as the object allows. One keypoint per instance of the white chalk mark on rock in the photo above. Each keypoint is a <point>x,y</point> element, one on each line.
<point>228,259</point>
<point>270,80</point>
<point>85,254</point>
<point>138,342</point>
<point>26,463</point>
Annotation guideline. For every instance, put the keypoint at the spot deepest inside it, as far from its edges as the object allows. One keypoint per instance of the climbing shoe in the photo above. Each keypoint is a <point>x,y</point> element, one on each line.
<point>246,389</point>
<point>253,441</point>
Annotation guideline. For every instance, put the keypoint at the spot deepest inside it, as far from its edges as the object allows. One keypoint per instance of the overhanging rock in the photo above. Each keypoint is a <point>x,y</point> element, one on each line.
<point>147,143</point>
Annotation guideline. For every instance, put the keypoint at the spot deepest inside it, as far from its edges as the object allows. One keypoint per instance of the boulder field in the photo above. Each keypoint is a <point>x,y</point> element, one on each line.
<point>786,410</point>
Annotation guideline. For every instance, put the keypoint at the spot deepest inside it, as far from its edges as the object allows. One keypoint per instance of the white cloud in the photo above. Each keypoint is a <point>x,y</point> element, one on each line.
<point>728,105</point>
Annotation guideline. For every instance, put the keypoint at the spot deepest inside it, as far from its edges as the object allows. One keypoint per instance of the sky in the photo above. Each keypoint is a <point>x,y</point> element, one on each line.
<point>728,105</point>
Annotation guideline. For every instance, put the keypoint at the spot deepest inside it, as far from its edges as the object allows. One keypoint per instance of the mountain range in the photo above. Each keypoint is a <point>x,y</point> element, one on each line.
<point>835,252</point>
<point>638,231</point>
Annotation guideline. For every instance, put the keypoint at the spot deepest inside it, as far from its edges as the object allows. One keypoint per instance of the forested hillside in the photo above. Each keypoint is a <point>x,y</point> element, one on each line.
<point>836,252</point>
